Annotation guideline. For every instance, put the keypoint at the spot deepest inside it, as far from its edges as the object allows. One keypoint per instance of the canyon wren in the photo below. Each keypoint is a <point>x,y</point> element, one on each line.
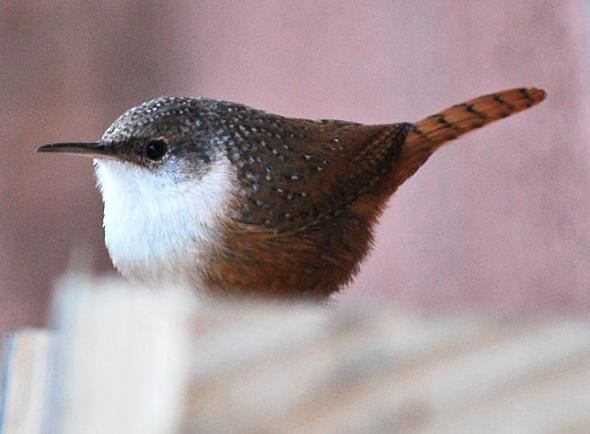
<point>233,200</point>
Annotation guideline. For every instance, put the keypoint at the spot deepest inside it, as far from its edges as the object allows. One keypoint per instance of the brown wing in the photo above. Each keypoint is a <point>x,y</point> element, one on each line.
<point>298,172</point>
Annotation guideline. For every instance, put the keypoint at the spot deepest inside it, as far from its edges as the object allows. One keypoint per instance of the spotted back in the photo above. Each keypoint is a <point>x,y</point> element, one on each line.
<point>295,173</point>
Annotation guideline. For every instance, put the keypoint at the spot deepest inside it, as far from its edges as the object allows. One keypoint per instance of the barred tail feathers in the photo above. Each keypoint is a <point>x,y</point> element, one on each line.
<point>431,132</point>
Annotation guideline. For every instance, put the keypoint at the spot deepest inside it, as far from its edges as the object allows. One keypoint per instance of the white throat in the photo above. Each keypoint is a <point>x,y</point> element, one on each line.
<point>158,228</point>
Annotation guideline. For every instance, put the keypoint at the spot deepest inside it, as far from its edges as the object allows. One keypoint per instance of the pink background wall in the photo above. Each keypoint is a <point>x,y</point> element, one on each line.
<point>500,219</point>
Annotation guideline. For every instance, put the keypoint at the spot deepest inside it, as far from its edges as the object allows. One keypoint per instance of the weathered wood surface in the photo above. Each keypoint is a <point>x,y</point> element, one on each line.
<point>138,361</point>
<point>24,381</point>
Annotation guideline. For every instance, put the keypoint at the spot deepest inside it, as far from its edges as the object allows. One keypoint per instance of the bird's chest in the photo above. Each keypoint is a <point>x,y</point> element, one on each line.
<point>160,230</point>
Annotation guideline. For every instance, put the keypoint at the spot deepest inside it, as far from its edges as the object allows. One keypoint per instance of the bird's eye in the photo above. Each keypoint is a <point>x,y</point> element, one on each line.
<point>156,149</point>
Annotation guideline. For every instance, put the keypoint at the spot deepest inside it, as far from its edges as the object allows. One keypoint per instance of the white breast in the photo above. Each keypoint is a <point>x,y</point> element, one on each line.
<point>159,228</point>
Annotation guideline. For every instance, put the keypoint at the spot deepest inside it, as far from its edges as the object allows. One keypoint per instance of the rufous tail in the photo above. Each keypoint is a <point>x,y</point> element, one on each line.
<point>431,132</point>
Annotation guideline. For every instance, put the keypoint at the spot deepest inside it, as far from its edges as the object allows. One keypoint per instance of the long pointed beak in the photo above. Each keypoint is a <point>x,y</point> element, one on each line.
<point>93,149</point>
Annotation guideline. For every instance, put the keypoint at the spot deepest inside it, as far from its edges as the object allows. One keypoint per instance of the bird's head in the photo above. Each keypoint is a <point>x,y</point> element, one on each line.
<point>170,137</point>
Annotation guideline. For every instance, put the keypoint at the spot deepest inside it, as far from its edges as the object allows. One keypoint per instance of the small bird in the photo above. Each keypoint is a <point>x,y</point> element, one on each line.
<point>233,200</point>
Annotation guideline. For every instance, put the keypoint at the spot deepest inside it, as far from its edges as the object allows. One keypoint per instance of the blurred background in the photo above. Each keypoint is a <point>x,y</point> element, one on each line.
<point>499,220</point>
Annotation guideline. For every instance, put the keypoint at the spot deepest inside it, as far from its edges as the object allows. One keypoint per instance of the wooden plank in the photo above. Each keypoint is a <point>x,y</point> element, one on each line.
<point>122,359</point>
<point>26,363</point>
<point>137,361</point>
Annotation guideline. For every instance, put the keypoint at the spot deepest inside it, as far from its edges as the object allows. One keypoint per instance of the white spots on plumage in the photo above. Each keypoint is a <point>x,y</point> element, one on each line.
<point>158,226</point>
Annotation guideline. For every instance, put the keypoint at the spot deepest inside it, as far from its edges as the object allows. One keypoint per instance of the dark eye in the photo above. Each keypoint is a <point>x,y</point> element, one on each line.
<point>156,149</point>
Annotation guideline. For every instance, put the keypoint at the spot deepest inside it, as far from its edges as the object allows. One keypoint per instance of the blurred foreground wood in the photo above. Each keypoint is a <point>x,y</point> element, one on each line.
<point>128,360</point>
